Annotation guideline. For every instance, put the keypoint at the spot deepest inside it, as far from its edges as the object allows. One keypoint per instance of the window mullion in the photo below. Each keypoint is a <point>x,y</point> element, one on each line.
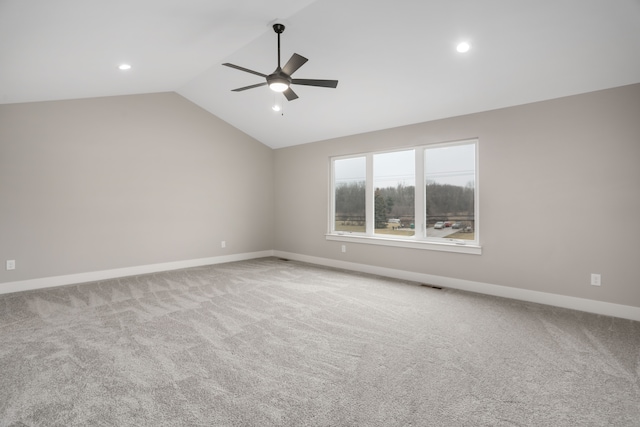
<point>370,219</point>
<point>419,195</point>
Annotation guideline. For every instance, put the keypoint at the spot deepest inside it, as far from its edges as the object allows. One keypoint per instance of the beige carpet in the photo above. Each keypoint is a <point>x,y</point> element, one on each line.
<point>274,343</point>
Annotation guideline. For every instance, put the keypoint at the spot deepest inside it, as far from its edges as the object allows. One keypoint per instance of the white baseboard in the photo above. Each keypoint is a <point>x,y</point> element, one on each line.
<point>581,304</point>
<point>72,279</point>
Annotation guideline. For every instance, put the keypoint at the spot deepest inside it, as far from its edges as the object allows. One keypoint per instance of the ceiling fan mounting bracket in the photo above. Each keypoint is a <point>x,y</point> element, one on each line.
<point>278,28</point>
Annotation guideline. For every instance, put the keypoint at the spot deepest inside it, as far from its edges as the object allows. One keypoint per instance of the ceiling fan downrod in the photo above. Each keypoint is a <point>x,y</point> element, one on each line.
<point>279,29</point>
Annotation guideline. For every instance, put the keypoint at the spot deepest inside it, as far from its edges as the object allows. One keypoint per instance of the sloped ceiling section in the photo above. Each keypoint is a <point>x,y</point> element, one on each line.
<point>396,62</point>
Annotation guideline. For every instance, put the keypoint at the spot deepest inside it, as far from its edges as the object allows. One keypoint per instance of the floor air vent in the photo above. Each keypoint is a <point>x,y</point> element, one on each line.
<point>430,286</point>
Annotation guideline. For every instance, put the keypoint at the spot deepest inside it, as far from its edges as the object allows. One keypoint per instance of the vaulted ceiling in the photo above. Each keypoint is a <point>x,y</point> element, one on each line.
<point>396,62</point>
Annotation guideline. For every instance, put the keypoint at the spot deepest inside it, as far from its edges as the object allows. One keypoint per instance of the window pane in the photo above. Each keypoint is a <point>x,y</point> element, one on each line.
<point>394,185</point>
<point>450,191</point>
<point>350,194</point>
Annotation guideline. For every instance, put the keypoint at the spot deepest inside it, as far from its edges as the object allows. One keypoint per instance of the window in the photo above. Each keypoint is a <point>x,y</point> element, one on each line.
<point>394,182</point>
<point>349,182</point>
<point>424,197</point>
<point>450,182</point>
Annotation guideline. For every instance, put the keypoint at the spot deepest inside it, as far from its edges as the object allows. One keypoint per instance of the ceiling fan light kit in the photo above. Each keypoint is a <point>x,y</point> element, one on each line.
<point>277,83</point>
<point>280,80</point>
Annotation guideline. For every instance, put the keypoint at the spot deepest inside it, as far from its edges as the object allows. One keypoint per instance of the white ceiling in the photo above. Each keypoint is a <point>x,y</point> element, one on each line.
<point>395,60</point>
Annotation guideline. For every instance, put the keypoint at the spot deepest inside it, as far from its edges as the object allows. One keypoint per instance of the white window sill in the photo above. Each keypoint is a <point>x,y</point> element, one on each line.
<point>444,245</point>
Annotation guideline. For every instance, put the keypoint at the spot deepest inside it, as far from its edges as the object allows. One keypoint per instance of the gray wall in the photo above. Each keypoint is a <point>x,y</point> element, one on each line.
<point>104,183</point>
<point>559,197</point>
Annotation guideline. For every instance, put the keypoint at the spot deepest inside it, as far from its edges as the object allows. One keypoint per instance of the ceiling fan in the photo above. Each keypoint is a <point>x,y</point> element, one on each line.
<point>280,80</point>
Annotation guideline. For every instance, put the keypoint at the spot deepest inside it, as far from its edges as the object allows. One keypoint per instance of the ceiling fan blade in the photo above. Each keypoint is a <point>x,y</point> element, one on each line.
<point>240,89</point>
<point>290,94</point>
<point>296,61</point>
<point>312,82</point>
<point>237,67</point>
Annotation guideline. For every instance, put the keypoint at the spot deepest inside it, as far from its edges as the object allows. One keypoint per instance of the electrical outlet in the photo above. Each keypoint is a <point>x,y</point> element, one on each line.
<point>11,264</point>
<point>344,248</point>
<point>223,244</point>
<point>595,279</point>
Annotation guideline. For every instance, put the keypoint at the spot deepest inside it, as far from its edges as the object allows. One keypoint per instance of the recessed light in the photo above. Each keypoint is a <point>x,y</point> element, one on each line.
<point>463,47</point>
<point>124,67</point>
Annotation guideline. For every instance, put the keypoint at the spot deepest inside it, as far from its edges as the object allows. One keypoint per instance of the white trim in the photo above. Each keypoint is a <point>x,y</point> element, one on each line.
<point>580,304</point>
<point>369,200</point>
<point>460,246</point>
<point>94,276</point>
<point>420,199</point>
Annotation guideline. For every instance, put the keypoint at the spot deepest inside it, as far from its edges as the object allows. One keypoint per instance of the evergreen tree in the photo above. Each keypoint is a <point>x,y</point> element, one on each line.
<point>380,210</point>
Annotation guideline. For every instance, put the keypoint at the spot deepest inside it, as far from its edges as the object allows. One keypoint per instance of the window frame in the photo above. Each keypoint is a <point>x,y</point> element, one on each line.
<point>419,240</point>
